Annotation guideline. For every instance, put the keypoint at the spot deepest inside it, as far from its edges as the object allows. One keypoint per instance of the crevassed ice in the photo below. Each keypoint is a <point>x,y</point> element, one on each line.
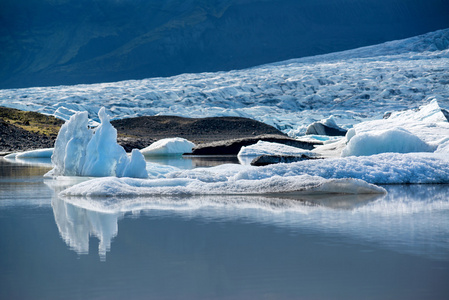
<point>352,86</point>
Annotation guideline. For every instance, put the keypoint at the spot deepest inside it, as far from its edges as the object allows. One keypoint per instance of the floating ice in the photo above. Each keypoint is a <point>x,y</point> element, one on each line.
<point>394,140</point>
<point>168,147</point>
<point>268,148</point>
<point>248,153</point>
<point>428,123</point>
<point>381,219</point>
<point>80,151</point>
<point>39,153</point>
<point>275,185</point>
<point>386,168</point>
<point>327,127</point>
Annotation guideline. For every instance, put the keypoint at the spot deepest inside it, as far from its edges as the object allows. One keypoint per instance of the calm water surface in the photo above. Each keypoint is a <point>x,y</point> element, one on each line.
<point>340,247</point>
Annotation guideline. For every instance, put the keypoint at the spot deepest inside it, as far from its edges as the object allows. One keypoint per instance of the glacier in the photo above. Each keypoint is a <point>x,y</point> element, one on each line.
<point>351,86</point>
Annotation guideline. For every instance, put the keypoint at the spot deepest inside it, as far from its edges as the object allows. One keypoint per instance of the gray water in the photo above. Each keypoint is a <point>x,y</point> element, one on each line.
<point>340,247</point>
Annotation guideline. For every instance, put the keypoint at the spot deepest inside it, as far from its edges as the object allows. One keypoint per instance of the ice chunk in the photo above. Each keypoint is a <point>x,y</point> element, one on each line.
<point>135,167</point>
<point>275,185</point>
<point>431,112</point>
<point>385,168</point>
<point>268,148</point>
<point>169,146</point>
<point>325,127</point>
<point>248,153</point>
<point>428,123</point>
<point>70,146</point>
<point>394,140</point>
<point>39,153</point>
<point>80,151</point>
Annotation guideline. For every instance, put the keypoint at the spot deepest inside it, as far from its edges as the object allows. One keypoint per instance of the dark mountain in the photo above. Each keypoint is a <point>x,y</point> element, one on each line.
<point>53,42</point>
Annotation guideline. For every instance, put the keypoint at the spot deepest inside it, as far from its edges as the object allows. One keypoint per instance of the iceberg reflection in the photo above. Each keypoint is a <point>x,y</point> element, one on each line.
<point>76,225</point>
<point>410,219</point>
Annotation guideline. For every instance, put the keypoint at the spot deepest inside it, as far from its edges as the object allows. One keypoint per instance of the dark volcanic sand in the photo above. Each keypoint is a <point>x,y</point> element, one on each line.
<point>140,132</point>
<point>13,138</point>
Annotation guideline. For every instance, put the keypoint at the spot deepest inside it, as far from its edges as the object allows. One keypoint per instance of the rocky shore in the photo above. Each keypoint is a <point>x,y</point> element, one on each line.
<point>21,131</point>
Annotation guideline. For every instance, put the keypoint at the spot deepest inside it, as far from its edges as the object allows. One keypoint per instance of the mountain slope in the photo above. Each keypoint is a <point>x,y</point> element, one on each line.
<point>53,42</point>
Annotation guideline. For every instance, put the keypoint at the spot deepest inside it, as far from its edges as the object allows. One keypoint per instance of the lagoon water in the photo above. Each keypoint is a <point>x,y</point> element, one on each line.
<point>340,247</point>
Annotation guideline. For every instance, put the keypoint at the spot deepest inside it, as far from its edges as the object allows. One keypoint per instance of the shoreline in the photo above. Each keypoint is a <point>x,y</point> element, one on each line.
<point>20,131</point>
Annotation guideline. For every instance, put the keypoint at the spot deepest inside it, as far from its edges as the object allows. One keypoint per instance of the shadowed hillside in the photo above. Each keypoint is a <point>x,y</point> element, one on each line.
<point>53,42</point>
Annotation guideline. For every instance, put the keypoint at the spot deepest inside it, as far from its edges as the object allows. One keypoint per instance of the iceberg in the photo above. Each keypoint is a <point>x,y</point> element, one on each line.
<point>248,153</point>
<point>39,153</point>
<point>425,129</point>
<point>274,186</point>
<point>81,151</point>
<point>168,147</point>
<point>428,122</point>
<point>269,148</point>
<point>327,127</point>
<point>396,140</point>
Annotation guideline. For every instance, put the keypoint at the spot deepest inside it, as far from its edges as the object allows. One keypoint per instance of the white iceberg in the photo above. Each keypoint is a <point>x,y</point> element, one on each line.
<point>396,140</point>
<point>39,153</point>
<point>428,122</point>
<point>168,147</point>
<point>325,127</point>
<point>385,168</point>
<point>275,185</point>
<point>416,130</point>
<point>248,153</point>
<point>81,151</point>
<point>268,148</point>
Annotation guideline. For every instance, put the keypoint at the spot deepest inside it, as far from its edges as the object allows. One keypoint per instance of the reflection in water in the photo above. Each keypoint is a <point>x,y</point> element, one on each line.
<point>31,161</point>
<point>393,246</point>
<point>79,218</point>
<point>410,219</point>
<point>193,161</point>
<point>76,225</point>
<point>13,169</point>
